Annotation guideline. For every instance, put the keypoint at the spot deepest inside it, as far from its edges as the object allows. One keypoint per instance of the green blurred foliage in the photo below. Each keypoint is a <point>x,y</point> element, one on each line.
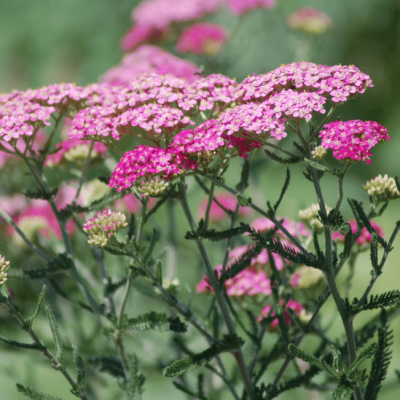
<point>48,41</point>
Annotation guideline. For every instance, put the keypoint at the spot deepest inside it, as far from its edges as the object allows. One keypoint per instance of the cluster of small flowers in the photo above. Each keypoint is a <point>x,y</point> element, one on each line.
<point>353,140</point>
<point>338,82</point>
<point>148,59</point>
<point>240,7</point>
<point>104,225</point>
<point>4,265</point>
<point>294,305</point>
<point>202,38</point>
<point>75,151</point>
<point>20,117</point>
<point>143,164</point>
<point>382,189</point>
<point>305,277</point>
<point>155,119</point>
<point>365,237</point>
<point>295,105</point>
<point>309,217</point>
<point>296,229</point>
<point>310,20</point>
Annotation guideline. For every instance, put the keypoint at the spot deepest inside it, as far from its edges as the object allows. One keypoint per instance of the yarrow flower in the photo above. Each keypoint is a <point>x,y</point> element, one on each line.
<point>294,305</point>
<point>146,59</point>
<point>138,34</point>
<point>226,200</point>
<point>202,38</point>
<point>309,217</point>
<point>103,226</point>
<point>309,20</point>
<point>339,82</point>
<point>4,266</point>
<point>382,189</point>
<point>240,7</point>
<point>141,167</point>
<point>352,140</point>
<point>296,229</point>
<point>319,153</point>
<point>365,237</point>
<point>305,277</point>
<point>75,151</point>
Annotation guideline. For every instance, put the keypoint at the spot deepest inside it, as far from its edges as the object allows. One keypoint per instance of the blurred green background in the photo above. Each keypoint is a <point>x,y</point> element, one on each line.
<point>46,41</point>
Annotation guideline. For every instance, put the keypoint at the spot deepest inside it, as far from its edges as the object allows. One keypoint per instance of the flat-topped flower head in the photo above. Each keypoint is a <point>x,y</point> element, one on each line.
<point>309,217</point>
<point>145,163</point>
<point>75,151</point>
<point>4,266</point>
<point>21,117</point>
<point>382,189</point>
<point>148,58</point>
<point>310,20</point>
<point>202,38</point>
<point>294,305</point>
<point>352,141</point>
<point>338,83</point>
<point>257,121</point>
<point>240,7</point>
<point>365,237</point>
<point>103,226</point>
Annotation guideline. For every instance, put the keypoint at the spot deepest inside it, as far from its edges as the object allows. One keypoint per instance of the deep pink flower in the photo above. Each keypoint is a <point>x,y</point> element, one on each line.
<point>228,201</point>
<point>240,7</point>
<point>131,204</point>
<point>293,304</point>
<point>353,140</point>
<point>202,38</point>
<point>364,238</point>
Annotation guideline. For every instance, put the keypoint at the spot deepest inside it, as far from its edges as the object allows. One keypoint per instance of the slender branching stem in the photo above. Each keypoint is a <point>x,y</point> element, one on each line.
<point>323,122</point>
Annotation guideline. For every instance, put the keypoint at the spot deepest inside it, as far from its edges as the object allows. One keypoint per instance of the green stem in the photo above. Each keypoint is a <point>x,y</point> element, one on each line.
<point>315,133</point>
<point>209,204</point>
<point>53,359</point>
<point>218,294</point>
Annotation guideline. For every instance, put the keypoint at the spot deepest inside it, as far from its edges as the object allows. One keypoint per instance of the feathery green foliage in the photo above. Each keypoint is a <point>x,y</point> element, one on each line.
<point>30,346</point>
<point>275,157</point>
<point>54,331</point>
<point>33,394</point>
<point>273,210</point>
<point>153,320</point>
<point>80,369</point>
<point>30,320</point>
<point>108,364</point>
<point>40,194</point>
<point>316,165</point>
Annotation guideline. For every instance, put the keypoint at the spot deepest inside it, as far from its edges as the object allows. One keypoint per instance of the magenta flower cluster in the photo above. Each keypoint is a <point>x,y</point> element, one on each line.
<point>353,140</point>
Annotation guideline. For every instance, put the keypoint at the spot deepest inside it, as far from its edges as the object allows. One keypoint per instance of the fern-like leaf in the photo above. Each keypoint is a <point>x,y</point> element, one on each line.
<point>157,321</point>
<point>29,321</point>
<point>108,364</point>
<point>275,157</point>
<point>30,346</point>
<point>55,332</point>
<point>80,369</point>
<point>34,395</point>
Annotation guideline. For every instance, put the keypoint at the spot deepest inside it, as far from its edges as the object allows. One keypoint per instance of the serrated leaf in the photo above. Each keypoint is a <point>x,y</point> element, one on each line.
<point>55,332</point>
<point>316,165</point>
<point>157,321</point>
<point>109,364</point>
<point>30,346</point>
<point>305,356</point>
<point>243,201</point>
<point>342,392</point>
<point>80,369</point>
<point>159,274</point>
<point>364,355</point>
<point>31,319</point>
<point>34,395</point>
<point>374,254</point>
<point>40,194</point>
<point>275,157</point>
<point>295,318</point>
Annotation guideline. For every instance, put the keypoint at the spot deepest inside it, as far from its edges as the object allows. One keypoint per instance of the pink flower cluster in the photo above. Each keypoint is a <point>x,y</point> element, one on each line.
<point>309,20</point>
<point>293,304</point>
<point>296,229</point>
<point>138,34</point>
<point>339,82</point>
<point>148,59</point>
<point>353,140</point>
<point>364,238</point>
<point>66,148</point>
<point>228,201</point>
<point>146,163</point>
<point>202,38</point>
<point>240,7</point>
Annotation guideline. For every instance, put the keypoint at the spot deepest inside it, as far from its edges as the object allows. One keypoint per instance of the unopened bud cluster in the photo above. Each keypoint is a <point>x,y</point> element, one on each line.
<point>382,188</point>
<point>4,265</point>
<point>319,153</point>
<point>104,225</point>
<point>152,188</point>
<point>309,217</point>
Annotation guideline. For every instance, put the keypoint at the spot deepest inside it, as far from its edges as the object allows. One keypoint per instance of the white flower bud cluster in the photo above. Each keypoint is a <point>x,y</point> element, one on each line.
<point>306,277</point>
<point>309,217</point>
<point>152,188</point>
<point>382,189</point>
<point>4,265</point>
<point>77,155</point>
<point>104,225</point>
<point>319,153</point>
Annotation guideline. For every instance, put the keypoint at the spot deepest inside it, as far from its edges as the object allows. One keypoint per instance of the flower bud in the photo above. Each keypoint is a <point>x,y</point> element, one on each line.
<point>319,153</point>
<point>382,189</point>
<point>152,188</point>
<point>309,217</point>
<point>305,277</point>
<point>4,265</point>
<point>104,225</point>
<point>309,20</point>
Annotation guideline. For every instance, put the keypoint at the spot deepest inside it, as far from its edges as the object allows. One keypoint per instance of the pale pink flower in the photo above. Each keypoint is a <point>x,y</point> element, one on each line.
<point>138,34</point>
<point>131,204</point>
<point>228,201</point>
<point>240,7</point>
<point>202,38</point>
<point>310,20</point>
<point>294,305</point>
